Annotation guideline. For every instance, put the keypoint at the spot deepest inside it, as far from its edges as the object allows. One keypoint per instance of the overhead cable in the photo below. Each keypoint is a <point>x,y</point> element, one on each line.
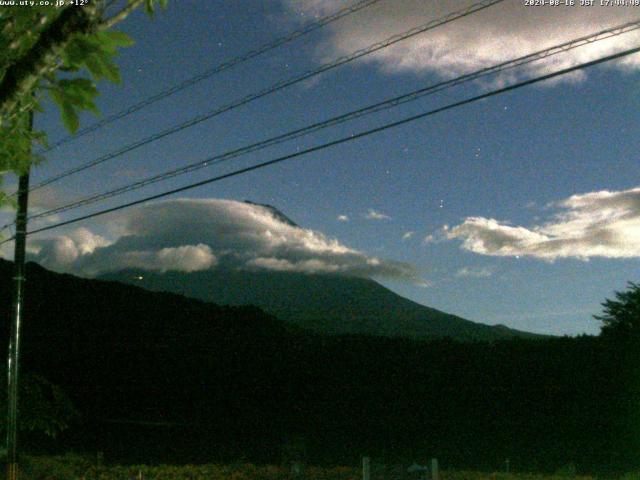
<point>342,140</point>
<point>272,89</point>
<point>374,108</point>
<point>343,12</point>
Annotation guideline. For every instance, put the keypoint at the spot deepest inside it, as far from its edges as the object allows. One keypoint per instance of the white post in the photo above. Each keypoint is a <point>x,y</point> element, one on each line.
<point>434,469</point>
<point>366,468</point>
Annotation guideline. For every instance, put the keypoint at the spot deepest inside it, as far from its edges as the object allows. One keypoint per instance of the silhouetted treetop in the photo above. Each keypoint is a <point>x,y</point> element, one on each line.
<point>622,315</point>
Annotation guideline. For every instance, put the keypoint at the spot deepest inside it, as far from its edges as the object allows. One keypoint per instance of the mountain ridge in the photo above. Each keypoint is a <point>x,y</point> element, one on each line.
<point>323,303</point>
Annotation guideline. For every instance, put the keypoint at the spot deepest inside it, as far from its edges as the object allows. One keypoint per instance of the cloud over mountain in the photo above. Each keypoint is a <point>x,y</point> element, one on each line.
<point>375,215</point>
<point>65,250</point>
<point>501,32</point>
<point>190,235</point>
<point>470,272</point>
<point>596,224</point>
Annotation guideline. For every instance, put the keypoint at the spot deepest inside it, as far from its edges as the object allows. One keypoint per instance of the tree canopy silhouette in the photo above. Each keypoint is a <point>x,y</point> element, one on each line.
<point>621,317</point>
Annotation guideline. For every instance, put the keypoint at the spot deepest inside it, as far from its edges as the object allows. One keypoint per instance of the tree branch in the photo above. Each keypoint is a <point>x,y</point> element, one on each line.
<point>22,76</point>
<point>120,16</point>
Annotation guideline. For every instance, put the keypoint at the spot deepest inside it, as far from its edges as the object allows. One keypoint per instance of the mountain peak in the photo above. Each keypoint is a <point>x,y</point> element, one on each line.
<point>275,212</point>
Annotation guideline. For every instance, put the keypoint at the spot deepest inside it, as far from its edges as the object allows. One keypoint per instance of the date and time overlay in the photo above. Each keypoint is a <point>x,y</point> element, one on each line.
<point>526,3</point>
<point>581,3</point>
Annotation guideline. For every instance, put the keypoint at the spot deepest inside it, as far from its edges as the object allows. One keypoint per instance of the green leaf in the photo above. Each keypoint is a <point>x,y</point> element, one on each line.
<point>95,67</point>
<point>83,84</point>
<point>76,52</point>
<point>81,91</point>
<point>72,95</point>
<point>112,72</point>
<point>70,117</point>
<point>149,7</point>
<point>116,39</point>
<point>57,96</point>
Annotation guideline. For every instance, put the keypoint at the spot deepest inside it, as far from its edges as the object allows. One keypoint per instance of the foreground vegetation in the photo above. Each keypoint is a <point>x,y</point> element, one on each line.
<point>160,378</point>
<point>72,467</point>
<point>75,467</point>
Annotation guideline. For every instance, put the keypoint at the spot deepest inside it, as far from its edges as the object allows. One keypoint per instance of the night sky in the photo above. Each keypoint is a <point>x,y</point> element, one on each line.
<point>522,209</point>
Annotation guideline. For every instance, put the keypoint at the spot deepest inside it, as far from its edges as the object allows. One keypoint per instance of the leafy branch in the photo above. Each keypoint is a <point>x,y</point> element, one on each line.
<point>43,49</point>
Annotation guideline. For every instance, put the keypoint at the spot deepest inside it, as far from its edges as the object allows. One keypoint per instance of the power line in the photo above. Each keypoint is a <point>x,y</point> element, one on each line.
<point>377,107</point>
<point>215,70</point>
<point>386,104</point>
<point>343,139</point>
<point>274,88</point>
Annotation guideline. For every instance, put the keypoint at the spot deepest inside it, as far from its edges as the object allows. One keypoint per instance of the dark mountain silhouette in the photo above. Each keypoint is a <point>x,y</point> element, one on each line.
<point>158,377</point>
<point>133,359</point>
<point>330,304</point>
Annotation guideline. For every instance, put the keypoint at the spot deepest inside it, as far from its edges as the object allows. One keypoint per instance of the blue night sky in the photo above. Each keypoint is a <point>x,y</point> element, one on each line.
<point>522,209</point>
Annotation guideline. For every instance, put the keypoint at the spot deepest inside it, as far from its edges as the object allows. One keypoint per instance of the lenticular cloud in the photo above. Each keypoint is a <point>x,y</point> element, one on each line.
<point>190,235</point>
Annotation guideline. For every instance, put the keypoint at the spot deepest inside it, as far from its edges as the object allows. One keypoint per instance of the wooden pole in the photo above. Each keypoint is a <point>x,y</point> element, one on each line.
<point>366,468</point>
<point>16,318</point>
<point>435,475</point>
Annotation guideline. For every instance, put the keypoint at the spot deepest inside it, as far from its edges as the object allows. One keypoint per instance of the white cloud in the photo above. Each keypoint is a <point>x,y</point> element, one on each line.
<point>501,32</point>
<point>283,265</point>
<point>63,251</point>
<point>429,239</point>
<point>436,237</point>
<point>471,272</point>
<point>40,200</point>
<point>408,235</point>
<point>374,215</point>
<point>343,218</point>
<point>597,224</point>
<point>186,258</point>
<point>189,235</point>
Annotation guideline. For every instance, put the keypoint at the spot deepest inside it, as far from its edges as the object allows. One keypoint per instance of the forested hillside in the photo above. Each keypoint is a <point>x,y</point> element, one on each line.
<point>159,377</point>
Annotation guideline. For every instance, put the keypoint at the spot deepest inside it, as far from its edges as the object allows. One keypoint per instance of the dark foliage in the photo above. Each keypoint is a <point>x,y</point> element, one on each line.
<point>621,317</point>
<point>44,407</point>
<point>159,377</point>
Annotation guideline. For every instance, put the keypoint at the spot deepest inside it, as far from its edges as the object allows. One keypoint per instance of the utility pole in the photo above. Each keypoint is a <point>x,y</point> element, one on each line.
<point>16,317</point>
